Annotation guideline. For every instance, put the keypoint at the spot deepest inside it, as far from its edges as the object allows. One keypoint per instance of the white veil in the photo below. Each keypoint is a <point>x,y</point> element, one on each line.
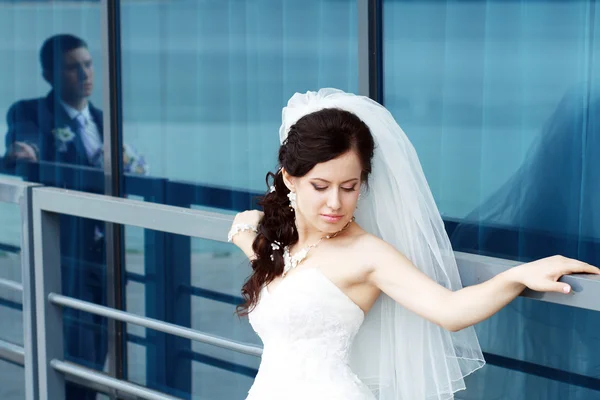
<point>398,354</point>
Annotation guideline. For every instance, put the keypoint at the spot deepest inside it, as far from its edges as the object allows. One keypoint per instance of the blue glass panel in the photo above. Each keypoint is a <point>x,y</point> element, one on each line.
<point>203,87</point>
<point>52,121</point>
<point>500,101</point>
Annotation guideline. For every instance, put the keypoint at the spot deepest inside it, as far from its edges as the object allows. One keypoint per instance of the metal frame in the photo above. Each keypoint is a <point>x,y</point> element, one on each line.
<point>113,178</point>
<point>48,204</point>
<point>363,47</point>
<point>19,192</point>
<point>46,231</point>
<point>370,49</point>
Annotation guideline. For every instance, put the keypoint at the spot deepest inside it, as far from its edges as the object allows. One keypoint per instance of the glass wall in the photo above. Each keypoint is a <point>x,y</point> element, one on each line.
<point>52,124</point>
<point>500,101</point>
<point>203,84</point>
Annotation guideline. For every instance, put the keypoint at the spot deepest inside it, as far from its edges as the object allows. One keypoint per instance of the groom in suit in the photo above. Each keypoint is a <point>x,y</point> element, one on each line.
<point>64,127</point>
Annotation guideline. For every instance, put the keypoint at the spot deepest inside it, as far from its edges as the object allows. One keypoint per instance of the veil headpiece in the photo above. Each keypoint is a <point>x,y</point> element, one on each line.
<point>398,354</point>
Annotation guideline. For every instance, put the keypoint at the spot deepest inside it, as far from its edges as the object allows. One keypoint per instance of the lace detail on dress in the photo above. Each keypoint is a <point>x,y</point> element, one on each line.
<point>307,325</point>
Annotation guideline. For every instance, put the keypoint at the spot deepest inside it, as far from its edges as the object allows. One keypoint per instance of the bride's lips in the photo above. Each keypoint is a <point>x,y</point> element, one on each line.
<point>331,217</point>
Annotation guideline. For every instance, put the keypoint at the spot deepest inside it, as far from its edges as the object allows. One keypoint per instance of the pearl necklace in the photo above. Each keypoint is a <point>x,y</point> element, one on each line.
<point>290,262</point>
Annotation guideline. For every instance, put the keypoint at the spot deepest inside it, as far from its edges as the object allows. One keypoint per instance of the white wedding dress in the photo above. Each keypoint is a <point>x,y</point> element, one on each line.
<point>307,326</point>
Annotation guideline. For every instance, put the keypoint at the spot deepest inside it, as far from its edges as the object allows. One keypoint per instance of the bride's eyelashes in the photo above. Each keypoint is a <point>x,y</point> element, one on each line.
<point>322,188</point>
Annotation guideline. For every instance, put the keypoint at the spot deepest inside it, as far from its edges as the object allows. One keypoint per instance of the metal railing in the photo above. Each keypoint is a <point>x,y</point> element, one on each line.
<point>13,191</point>
<point>167,253</point>
<point>151,323</point>
<point>41,208</point>
<point>48,205</point>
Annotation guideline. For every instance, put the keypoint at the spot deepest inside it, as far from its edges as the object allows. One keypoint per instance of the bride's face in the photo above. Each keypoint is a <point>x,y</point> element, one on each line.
<point>326,197</point>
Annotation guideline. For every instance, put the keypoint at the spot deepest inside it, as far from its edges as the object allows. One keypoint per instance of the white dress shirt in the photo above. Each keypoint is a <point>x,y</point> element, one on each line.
<point>92,141</point>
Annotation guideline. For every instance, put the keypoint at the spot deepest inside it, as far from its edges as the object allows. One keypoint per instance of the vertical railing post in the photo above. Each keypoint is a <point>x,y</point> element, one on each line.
<point>27,278</point>
<point>49,324</point>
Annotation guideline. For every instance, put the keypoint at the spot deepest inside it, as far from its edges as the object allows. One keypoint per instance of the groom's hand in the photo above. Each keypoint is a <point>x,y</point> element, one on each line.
<point>22,151</point>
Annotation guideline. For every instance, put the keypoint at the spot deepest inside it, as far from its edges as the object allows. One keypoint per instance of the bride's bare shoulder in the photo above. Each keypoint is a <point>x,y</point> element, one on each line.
<point>366,248</point>
<point>366,242</point>
<point>370,250</point>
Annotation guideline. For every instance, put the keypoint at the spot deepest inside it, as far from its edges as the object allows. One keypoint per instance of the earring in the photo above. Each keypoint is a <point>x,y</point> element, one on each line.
<point>292,196</point>
<point>360,193</point>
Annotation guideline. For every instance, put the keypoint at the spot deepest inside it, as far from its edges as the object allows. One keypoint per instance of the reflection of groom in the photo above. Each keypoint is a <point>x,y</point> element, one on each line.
<point>65,127</point>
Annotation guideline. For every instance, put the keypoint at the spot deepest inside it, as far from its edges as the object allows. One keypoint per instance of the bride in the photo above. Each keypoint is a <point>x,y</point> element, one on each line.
<point>355,291</point>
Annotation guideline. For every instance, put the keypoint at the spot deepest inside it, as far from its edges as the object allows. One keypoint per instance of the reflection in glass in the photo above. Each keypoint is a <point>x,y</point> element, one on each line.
<point>500,101</point>
<point>546,208</point>
<point>54,130</point>
<point>549,200</point>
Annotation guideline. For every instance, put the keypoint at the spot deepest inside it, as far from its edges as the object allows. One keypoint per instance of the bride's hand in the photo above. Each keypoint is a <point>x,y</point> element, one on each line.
<point>250,217</point>
<point>543,275</point>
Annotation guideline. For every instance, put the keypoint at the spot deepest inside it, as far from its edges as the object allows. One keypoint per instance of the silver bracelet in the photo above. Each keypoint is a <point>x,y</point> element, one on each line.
<point>237,228</point>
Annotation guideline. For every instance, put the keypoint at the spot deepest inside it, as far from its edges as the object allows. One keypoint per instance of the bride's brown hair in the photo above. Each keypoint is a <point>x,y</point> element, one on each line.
<point>316,138</point>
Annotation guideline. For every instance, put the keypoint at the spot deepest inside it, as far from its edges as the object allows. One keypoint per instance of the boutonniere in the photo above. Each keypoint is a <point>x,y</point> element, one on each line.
<point>63,136</point>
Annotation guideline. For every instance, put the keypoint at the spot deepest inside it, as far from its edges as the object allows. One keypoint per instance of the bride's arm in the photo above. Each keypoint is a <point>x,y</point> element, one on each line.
<point>244,241</point>
<point>396,276</point>
<point>245,237</point>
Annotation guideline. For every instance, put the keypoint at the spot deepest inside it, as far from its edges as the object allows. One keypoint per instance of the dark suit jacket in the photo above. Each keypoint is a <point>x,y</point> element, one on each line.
<point>36,121</point>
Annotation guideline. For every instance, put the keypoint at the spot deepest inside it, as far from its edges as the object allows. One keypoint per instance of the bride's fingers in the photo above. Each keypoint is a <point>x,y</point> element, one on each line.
<point>566,289</point>
<point>582,268</point>
<point>558,287</point>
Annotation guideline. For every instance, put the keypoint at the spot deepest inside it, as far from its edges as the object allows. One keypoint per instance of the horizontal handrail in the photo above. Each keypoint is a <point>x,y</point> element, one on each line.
<point>12,352</point>
<point>11,285</point>
<point>152,323</point>
<point>12,190</point>
<point>202,358</point>
<point>160,217</point>
<point>475,269</point>
<point>102,379</point>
